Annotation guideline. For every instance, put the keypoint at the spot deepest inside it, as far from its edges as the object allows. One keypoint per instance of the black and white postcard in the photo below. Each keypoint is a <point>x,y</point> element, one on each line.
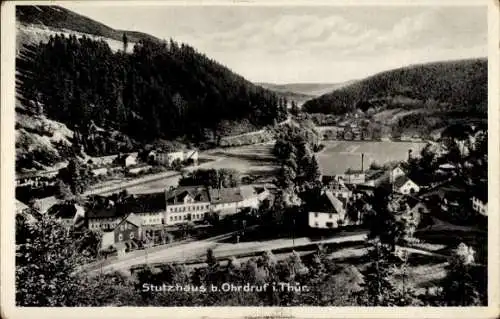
<point>297,159</point>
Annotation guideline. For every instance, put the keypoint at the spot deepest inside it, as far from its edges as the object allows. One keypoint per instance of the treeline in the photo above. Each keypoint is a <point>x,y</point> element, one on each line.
<point>162,90</point>
<point>215,178</point>
<point>294,149</point>
<point>462,84</point>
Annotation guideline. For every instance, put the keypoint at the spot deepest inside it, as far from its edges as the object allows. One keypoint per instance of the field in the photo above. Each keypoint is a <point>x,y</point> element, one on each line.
<point>257,160</point>
<point>338,156</point>
<point>254,160</point>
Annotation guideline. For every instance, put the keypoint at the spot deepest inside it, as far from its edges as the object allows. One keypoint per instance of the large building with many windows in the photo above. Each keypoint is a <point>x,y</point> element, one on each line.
<point>185,204</point>
<point>193,203</point>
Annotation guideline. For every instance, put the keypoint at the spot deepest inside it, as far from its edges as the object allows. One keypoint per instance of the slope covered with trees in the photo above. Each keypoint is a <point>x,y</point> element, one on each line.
<point>162,90</point>
<point>457,84</point>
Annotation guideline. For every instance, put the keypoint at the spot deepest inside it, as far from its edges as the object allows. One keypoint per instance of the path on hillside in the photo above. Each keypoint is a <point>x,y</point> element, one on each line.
<point>287,121</point>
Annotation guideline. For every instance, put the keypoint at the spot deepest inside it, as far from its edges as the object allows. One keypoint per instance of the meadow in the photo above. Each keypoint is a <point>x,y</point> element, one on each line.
<point>338,156</point>
<point>256,160</point>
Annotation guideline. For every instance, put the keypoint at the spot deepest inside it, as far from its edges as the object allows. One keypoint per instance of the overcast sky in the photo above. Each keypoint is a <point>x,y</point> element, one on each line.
<point>310,44</point>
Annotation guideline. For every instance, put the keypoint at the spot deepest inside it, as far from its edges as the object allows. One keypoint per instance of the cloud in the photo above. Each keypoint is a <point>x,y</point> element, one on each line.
<point>318,33</point>
<point>333,47</point>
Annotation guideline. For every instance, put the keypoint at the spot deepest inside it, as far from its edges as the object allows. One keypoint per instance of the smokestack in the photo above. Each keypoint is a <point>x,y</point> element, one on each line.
<point>362,161</point>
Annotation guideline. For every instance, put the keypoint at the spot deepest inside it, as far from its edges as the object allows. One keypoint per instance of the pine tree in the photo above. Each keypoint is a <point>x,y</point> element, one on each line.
<point>125,42</point>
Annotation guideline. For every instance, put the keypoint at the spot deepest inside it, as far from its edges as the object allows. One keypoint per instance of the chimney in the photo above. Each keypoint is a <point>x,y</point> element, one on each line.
<point>362,160</point>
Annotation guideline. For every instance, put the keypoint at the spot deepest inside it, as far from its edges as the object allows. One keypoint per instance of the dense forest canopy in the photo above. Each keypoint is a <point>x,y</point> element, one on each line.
<point>461,84</point>
<point>161,90</point>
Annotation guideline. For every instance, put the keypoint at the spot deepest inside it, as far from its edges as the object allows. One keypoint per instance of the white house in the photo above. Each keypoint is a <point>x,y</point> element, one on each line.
<point>139,169</point>
<point>130,160</point>
<point>193,203</point>
<point>480,204</point>
<point>396,172</point>
<point>447,167</point>
<point>191,155</point>
<point>329,212</point>
<point>184,204</point>
<point>405,185</point>
<point>324,220</point>
<point>100,171</point>
<point>169,157</point>
<point>104,217</point>
<point>352,177</point>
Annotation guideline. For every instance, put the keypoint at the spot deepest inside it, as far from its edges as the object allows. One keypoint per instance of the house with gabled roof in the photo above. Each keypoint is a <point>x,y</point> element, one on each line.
<point>71,215</point>
<point>127,160</point>
<point>150,208</point>
<point>397,171</point>
<point>252,196</point>
<point>191,156</point>
<point>124,236</point>
<point>186,203</point>
<point>26,211</point>
<point>104,214</point>
<point>42,205</point>
<point>404,185</point>
<point>327,212</point>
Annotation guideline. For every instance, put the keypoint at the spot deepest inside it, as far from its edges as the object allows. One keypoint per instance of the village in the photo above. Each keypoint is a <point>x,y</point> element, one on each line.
<point>299,155</point>
<point>129,222</point>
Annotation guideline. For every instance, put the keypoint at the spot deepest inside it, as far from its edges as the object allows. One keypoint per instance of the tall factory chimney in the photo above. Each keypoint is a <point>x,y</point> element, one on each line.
<point>362,161</point>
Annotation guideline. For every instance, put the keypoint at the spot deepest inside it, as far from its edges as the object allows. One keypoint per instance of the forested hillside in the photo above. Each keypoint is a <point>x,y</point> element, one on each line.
<point>162,90</point>
<point>458,84</point>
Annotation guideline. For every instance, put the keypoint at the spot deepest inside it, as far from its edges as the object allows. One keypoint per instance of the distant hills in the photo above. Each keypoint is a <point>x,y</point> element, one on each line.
<point>460,84</point>
<point>305,89</point>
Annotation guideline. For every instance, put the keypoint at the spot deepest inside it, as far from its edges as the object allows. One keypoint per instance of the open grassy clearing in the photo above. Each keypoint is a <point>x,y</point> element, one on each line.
<point>338,156</point>
<point>248,160</point>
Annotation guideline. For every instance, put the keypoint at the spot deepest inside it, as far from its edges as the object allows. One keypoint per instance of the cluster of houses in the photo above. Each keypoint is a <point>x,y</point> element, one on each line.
<point>105,165</point>
<point>36,179</point>
<point>442,190</point>
<point>351,132</point>
<point>173,207</point>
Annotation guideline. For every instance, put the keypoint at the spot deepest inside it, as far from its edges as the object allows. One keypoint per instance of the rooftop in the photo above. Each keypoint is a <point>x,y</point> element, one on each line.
<point>133,219</point>
<point>328,203</point>
<point>400,181</point>
<point>20,206</point>
<point>147,203</point>
<point>226,195</point>
<point>177,195</point>
<point>45,203</point>
<point>63,210</point>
